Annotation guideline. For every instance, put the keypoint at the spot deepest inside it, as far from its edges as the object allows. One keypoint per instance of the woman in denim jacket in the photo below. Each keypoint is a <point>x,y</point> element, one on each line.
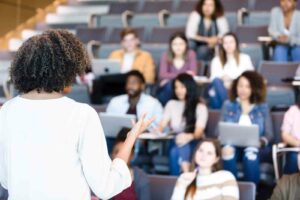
<point>247,106</point>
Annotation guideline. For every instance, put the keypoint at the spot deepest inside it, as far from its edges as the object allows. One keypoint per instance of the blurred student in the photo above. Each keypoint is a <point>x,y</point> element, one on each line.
<point>207,179</point>
<point>224,68</point>
<point>132,57</point>
<point>178,59</point>
<point>290,133</point>
<point>187,117</point>
<point>284,28</point>
<point>247,106</point>
<point>205,26</point>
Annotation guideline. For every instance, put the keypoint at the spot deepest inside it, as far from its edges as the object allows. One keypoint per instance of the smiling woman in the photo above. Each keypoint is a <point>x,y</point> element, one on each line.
<point>52,147</point>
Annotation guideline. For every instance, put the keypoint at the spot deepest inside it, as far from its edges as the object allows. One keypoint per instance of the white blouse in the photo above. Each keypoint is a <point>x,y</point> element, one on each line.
<point>56,150</point>
<point>193,24</point>
<point>231,68</point>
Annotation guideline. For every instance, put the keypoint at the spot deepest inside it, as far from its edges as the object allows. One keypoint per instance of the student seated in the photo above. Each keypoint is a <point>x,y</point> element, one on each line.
<point>284,28</point>
<point>287,187</point>
<point>205,26</point>
<point>178,59</point>
<point>224,68</point>
<point>246,107</point>
<point>290,133</point>
<point>187,117</point>
<point>135,101</point>
<point>131,58</point>
<point>207,179</point>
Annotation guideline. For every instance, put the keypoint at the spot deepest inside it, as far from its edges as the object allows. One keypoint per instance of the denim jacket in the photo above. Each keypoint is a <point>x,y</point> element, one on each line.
<point>260,115</point>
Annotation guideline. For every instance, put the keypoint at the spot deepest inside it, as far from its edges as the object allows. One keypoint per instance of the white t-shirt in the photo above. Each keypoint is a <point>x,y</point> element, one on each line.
<point>231,68</point>
<point>127,62</point>
<point>56,150</point>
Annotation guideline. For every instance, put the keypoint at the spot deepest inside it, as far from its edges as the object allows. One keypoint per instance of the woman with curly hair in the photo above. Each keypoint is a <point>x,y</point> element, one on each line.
<point>246,107</point>
<point>52,147</point>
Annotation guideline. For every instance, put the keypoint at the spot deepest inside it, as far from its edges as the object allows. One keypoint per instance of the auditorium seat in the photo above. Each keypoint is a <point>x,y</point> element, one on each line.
<point>265,5</point>
<point>277,119</point>
<point>185,6</point>
<point>161,187</point>
<point>212,123</point>
<point>80,93</point>
<point>176,20</point>
<point>163,34</point>
<point>258,18</point>
<point>120,7</point>
<point>156,50</point>
<point>156,6</point>
<point>254,51</point>
<point>106,49</point>
<point>88,34</point>
<point>279,93</point>
<point>144,20</point>
<point>106,21</point>
<point>234,5</point>
<point>250,34</point>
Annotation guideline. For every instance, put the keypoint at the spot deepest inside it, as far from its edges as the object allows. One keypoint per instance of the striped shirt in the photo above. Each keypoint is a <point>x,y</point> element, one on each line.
<point>215,186</point>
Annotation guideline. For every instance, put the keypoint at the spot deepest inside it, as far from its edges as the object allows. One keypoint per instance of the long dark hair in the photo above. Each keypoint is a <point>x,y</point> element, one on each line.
<point>222,52</point>
<point>191,189</point>
<point>175,35</point>
<point>191,100</point>
<point>218,12</point>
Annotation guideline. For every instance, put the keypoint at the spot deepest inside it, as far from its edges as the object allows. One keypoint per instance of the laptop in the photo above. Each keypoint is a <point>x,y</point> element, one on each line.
<point>239,135</point>
<point>113,123</point>
<point>102,67</point>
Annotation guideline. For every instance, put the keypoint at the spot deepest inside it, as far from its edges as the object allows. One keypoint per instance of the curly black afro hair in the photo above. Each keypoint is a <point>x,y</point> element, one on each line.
<point>48,62</point>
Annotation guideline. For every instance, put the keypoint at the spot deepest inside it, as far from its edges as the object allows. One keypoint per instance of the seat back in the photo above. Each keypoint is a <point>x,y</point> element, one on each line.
<point>234,5</point>
<point>156,6</point>
<point>265,5</point>
<point>161,187</point>
<point>250,34</point>
<point>274,72</point>
<point>88,34</point>
<point>120,7</point>
<point>162,35</point>
<point>212,123</point>
<point>277,119</point>
<point>80,93</point>
<point>186,6</point>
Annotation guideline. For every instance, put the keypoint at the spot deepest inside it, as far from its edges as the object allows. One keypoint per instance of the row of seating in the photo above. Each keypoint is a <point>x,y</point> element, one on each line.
<point>181,5</point>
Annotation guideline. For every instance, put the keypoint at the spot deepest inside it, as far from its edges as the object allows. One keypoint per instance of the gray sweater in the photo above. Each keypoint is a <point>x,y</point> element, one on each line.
<point>277,27</point>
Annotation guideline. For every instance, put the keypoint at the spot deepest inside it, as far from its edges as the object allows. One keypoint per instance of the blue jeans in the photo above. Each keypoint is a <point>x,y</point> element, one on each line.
<point>216,93</point>
<point>250,159</point>
<point>291,163</point>
<point>284,53</point>
<point>165,93</point>
<point>180,154</point>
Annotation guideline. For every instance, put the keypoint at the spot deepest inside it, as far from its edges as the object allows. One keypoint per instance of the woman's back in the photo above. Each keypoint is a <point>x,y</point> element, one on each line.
<point>45,151</point>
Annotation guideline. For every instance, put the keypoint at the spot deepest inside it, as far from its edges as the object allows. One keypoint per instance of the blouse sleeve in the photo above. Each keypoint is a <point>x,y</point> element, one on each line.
<point>106,178</point>
<point>230,188</point>
<point>202,116</point>
<point>274,17</point>
<point>167,112</point>
<point>192,25</point>
<point>222,26</point>
<point>288,121</point>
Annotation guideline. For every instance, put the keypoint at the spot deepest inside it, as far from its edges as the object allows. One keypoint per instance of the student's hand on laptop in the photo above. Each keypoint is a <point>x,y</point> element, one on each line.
<point>183,138</point>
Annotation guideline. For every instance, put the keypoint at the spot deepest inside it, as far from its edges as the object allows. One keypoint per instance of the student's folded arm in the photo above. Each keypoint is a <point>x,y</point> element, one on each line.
<point>106,178</point>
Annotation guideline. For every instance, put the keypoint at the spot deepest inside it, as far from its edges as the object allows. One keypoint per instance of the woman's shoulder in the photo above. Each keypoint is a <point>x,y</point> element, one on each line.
<point>225,175</point>
<point>202,106</point>
<point>244,56</point>
<point>293,110</point>
<point>172,103</point>
<point>195,15</point>
<point>275,10</point>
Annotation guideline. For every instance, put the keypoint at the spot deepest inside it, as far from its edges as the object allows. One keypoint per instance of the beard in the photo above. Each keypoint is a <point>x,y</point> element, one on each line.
<point>134,93</point>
